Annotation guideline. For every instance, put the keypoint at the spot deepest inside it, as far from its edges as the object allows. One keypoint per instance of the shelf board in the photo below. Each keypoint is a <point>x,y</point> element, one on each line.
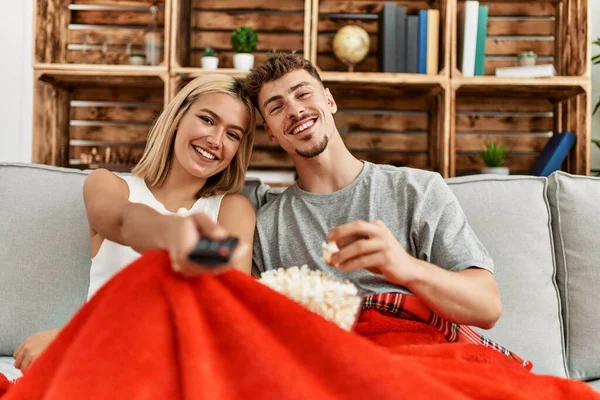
<point>66,75</point>
<point>557,86</point>
<point>191,73</point>
<point>381,77</point>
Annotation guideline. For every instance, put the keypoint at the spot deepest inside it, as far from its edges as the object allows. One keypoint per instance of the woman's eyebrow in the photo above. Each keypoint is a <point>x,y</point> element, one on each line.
<point>216,117</point>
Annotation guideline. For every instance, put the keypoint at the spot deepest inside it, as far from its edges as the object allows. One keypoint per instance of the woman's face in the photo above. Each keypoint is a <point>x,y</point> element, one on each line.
<point>209,134</point>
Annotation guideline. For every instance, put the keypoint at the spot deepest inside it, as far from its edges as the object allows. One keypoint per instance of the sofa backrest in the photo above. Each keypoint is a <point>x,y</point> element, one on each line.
<point>511,217</point>
<point>44,250</point>
<point>575,202</point>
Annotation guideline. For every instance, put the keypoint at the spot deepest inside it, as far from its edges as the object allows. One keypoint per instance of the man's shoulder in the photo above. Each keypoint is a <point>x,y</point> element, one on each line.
<point>406,176</point>
<point>272,207</point>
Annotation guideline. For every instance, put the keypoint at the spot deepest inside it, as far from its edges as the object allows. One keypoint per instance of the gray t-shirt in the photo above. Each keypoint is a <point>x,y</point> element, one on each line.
<point>417,206</point>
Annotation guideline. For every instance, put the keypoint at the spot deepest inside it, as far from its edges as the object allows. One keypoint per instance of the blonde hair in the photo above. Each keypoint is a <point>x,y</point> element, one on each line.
<point>156,161</point>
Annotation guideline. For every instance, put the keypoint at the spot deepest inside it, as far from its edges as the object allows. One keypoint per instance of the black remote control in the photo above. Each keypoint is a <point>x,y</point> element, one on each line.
<point>213,253</point>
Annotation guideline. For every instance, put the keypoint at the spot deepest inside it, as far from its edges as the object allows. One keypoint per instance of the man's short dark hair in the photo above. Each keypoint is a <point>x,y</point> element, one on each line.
<point>277,65</point>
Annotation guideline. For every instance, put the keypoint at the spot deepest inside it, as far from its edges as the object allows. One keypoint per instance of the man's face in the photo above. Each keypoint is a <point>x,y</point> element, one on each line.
<point>298,113</point>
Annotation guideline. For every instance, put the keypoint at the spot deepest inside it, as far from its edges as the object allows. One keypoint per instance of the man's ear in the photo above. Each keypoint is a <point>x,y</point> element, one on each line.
<point>270,133</point>
<point>330,101</point>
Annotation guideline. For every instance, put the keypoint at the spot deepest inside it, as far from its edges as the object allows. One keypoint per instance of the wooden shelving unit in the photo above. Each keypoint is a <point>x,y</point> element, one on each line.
<point>92,102</point>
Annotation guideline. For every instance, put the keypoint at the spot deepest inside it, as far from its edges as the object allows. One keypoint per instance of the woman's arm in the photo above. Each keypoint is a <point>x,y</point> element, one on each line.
<point>112,216</point>
<point>238,217</point>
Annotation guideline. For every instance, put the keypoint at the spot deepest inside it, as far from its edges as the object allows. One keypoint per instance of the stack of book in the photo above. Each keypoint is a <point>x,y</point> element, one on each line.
<point>472,35</point>
<point>408,43</point>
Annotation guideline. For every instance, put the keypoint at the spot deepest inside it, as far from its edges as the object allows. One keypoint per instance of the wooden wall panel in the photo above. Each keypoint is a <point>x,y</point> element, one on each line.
<point>101,30</point>
<point>391,128</point>
<point>280,26</point>
<point>522,125</point>
<point>114,119</point>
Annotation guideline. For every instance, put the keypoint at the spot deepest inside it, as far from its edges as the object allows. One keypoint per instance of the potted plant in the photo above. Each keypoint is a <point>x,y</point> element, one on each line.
<point>527,58</point>
<point>209,59</point>
<point>243,43</point>
<point>493,156</point>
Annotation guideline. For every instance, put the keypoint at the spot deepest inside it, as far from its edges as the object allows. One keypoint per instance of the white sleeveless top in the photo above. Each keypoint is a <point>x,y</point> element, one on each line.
<point>112,257</point>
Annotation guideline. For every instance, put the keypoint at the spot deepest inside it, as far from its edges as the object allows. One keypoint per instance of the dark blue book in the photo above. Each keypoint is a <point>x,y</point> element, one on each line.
<point>400,39</point>
<point>412,40</point>
<point>422,43</point>
<point>554,154</point>
<point>387,37</point>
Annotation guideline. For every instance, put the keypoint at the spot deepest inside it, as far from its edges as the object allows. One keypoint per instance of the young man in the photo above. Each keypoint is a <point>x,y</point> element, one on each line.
<point>399,230</point>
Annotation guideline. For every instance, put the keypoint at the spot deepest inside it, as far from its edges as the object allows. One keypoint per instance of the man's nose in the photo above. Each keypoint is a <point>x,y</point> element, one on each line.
<point>296,110</point>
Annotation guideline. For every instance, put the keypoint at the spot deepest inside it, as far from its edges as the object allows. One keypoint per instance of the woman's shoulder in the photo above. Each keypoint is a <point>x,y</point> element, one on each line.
<point>237,200</point>
<point>104,178</point>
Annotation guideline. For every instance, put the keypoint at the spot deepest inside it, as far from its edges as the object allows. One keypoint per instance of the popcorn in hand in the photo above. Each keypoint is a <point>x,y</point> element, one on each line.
<point>328,248</point>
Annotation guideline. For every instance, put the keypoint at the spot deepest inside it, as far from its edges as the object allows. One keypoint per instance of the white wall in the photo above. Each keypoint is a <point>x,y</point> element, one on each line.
<point>16,80</point>
<point>595,27</point>
<point>16,77</point>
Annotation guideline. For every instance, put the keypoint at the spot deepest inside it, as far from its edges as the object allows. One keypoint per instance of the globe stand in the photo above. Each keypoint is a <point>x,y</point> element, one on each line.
<point>349,65</point>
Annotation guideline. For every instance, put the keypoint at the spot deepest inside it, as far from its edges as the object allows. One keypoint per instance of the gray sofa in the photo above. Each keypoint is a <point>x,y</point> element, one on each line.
<point>542,233</point>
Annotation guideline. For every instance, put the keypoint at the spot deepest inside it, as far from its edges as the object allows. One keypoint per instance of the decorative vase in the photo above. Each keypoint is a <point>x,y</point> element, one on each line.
<point>496,170</point>
<point>209,62</point>
<point>243,61</point>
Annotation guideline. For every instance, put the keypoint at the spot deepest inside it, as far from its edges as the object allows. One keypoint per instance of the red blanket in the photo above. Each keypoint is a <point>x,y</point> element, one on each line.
<point>151,334</point>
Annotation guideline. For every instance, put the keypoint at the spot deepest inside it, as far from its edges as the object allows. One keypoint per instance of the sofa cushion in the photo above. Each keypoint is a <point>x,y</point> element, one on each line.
<point>511,217</point>
<point>7,368</point>
<point>576,226</point>
<point>44,250</point>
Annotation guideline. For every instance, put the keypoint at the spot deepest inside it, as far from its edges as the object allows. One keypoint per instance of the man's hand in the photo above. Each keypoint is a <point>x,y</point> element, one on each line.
<point>372,246</point>
<point>180,235</point>
<point>32,347</point>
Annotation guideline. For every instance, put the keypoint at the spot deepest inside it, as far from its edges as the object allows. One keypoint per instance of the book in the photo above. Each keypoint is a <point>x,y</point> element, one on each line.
<point>554,154</point>
<point>387,37</point>
<point>400,39</point>
<point>422,43</point>
<point>482,22</point>
<point>527,71</point>
<point>412,40</point>
<point>433,41</point>
<point>467,37</point>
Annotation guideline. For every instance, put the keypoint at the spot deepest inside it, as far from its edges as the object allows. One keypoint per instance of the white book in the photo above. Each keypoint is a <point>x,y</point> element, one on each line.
<point>533,71</point>
<point>467,35</point>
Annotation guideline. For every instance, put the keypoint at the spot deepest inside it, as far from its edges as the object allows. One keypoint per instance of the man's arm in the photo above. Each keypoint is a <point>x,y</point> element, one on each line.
<point>468,297</point>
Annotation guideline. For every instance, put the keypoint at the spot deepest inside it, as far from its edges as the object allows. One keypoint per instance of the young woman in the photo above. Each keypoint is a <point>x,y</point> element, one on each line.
<point>184,187</point>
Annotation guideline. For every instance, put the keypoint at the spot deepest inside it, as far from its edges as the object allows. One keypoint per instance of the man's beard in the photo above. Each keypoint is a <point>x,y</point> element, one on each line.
<point>315,151</point>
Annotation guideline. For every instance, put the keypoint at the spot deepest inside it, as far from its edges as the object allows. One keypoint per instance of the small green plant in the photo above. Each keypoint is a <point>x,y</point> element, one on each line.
<point>209,52</point>
<point>244,40</point>
<point>493,155</point>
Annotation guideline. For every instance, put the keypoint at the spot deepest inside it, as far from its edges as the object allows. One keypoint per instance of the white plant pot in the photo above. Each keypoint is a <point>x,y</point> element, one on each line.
<point>496,170</point>
<point>210,62</point>
<point>244,61</point>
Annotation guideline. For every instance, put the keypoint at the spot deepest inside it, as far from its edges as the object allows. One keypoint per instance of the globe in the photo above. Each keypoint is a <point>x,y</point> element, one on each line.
<point>351,45</point>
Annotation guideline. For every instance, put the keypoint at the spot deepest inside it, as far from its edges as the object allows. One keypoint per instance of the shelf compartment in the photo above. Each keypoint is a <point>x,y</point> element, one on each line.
<point>75,31</point>
<point>539,26</point>
<point>522,119</point>
<point>75,116</point>
<point>331,15</point>
<point>282,25</point>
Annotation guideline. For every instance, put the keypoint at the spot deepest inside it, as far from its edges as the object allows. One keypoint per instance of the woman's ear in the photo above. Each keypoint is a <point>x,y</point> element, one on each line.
<point>330,101</point>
